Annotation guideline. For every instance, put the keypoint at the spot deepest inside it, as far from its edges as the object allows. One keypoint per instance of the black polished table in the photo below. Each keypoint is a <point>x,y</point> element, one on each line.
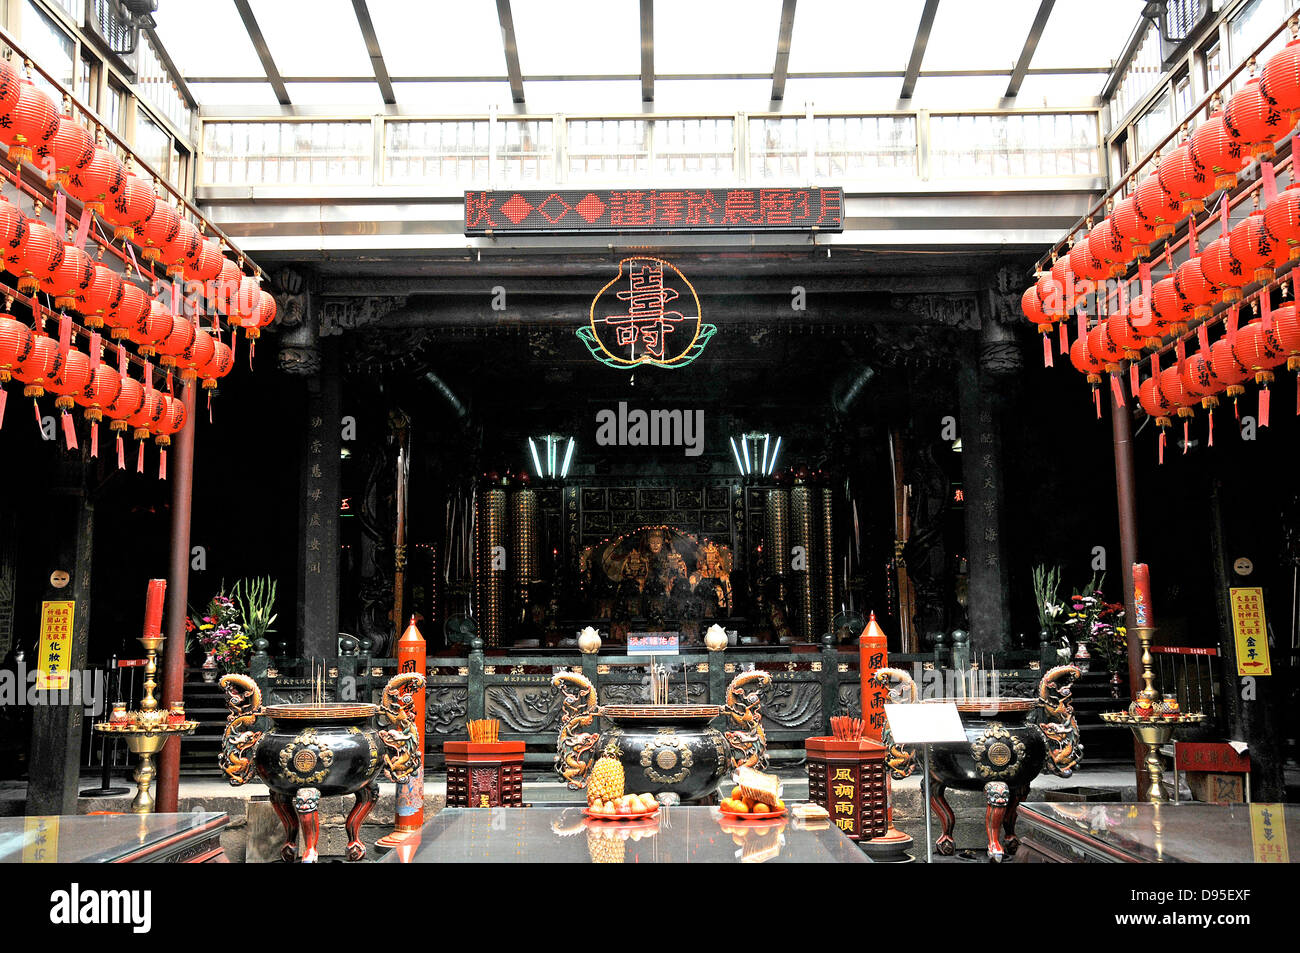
<point>113,839</point>
<point>1186,833</point>
<point>677,835</point>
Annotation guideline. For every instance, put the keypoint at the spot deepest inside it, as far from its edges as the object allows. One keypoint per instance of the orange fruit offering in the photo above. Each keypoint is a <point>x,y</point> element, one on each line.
<point>735,793</point>
<point>761,808</point>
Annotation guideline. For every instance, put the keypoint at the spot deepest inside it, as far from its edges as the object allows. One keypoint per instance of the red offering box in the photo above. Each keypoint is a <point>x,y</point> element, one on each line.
<point>848,779</point>
<point>484,775</point>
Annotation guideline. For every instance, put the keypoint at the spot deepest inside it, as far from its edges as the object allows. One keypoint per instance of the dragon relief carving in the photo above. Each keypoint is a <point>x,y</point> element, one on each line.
<point>446,709</point>
<point>522,709</point>
<point>244,705</point>
<point>573,749</point>
<point>1056,721</point>
<point>746,739</point>
<point>398,730</point>
<point>900,760</point>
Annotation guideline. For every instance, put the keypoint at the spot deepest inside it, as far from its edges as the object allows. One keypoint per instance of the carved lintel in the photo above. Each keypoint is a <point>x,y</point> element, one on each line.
<point>348,314</point>
<point>954,311</point>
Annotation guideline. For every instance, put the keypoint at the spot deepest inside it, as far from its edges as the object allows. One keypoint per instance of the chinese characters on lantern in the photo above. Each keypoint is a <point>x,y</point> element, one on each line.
<point>655,210</point>
<point>1251,631</point>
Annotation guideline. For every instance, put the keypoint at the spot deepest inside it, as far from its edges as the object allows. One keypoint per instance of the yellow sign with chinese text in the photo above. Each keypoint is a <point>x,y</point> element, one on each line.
<point>1250,630</point>
<point>1268,833</point>
<point>56,644</point>
<point>40,840</point>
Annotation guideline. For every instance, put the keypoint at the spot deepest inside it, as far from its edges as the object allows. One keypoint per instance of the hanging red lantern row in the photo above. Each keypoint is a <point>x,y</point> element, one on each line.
<point>1154,402</point>
<point>41,362</point>
<point>171,423</point>
<point>130,208</point>
<point>68,152</point>
<point>152,329</point>
<point>177,341</point>
<point>1215,150</point>
<point>122,408</point>
<point>1184,178</point>
<point>1195,289</point>
<point>1260,352</point>
<point>15,345</point>
<point>132,310</point>
<point>100,297</point>
<point>1253,121</point>
<point>1132,227</point>
<point>100,183</point>
<point>70,275</point>
<point>197,355</point>
<point>1223,269</point>
<point>68,380</point>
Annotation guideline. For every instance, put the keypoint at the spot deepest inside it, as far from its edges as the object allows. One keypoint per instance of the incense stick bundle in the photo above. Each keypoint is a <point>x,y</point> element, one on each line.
<point>846,729</point>
<point>484,731</point>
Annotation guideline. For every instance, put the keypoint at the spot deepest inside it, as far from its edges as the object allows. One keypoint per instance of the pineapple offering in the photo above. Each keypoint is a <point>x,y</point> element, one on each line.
<point>605,794</point>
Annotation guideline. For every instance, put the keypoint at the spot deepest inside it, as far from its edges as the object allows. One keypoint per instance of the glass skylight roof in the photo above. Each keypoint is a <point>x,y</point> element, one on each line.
<point>709,55</point>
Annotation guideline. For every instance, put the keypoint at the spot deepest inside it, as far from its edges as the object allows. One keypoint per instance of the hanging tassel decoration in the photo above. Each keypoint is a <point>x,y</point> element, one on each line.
<point>1117,389</point>
<point>1162,446</point>
<point>139,457</point>
<point>1192,247</point>
<point>1047,351</point>
<point>1269,181</point>
<point>94,439</point>
<point>1065,337</point>
<point>162,464</point>
<point>1263,406</point>
<point>1096,399</point>
<point>1133,376</point>
<point>1180,355</point>
<point>1266,310</point>
<point>1211,428</point>
<point>3,398</point>
<point>69,432</point>
<point>1231,325</point>
<point>121,454</point>
<point>1187,434</point>
<point>1203,340</point>
<point>83,228</point>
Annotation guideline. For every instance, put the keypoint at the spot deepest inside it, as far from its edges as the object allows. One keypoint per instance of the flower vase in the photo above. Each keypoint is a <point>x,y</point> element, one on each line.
<point>210,668</point>
<point>1116,683</point>
<point>1082,657</point>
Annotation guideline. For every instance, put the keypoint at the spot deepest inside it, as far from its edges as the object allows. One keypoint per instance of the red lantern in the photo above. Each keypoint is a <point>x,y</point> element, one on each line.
<point>172,422</point>
<point>224,289</point>
<point>1106,245</point>
<point>1144,321</point>
<point>1183,177</point>
<point>13,237</point>
<point>41,362</point>
<point>266,308</point>
<point>41,251</point>
<point>1260,351</point>
<point>1280,80</point>
<point>10,90</point>
<point>1121,334</point>
<point>102,295</point>
<point>218,366</point>
<point>71,149</point>
<point>144,420</point>
<point>100,182</point>
<point>198,354</point>
<point>131,311</point>
<point>1104,349</point>
<point>1228,369</point>
<point>158,231</point>
<point>1183,403</point>
<point>1085,362</point>
<point>15,345</point>
<point>174,345</point>
<point>207,262</point>
<point>185,244</point>
<point>1132,227</point>
<point>1253,121</point>
<point>67,382</point>
<point>1251,244</point>
<point>1062,274</point>
<point>1085,265</point>
<point>153,329</point>
<point>1171,310</point>
<point>31,123</point>
<point>1156,204</point>
<point>246,301</point>
<point>70,275</point>
<point>1201,383</point>
<point>1282,219</point>
<point>1223,269</point>
<point>130,207</point>
<point>101,389</point>
<point>1197,291</point>
<point>1154,402</point>
<point>119,410</point>
<point>1216,151</point>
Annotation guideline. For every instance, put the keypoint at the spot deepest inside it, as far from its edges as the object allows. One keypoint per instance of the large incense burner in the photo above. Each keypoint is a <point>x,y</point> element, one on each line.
<point>670,751</point>
<point>316,750</point>
<point>1009,742</point>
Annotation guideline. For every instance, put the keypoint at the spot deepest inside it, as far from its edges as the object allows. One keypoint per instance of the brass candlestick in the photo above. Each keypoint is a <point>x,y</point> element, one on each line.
<point>146,731</point>
<point>1149,726</point>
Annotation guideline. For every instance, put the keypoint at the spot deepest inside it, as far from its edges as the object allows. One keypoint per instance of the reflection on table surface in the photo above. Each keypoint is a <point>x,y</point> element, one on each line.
<point>1190,832</point>
<point>676,835</point>
<point>100,838</point>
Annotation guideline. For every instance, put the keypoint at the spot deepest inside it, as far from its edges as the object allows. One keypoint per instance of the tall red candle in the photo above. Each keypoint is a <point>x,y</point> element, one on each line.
<point>153,608</point>
<point>1142,615</point>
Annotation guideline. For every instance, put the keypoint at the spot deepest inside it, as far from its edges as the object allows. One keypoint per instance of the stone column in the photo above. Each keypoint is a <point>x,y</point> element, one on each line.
<point>304,354</point>
<point>982,382</point>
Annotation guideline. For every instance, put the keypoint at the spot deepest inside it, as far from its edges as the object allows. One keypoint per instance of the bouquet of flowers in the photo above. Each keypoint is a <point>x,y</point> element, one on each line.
<point>1051,608</point>
<point>1093,619</point>
<point>221,633</point>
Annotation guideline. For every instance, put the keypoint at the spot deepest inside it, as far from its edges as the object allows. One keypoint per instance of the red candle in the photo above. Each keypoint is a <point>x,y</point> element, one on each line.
<point>1142,615</point>
<point>153,608</point>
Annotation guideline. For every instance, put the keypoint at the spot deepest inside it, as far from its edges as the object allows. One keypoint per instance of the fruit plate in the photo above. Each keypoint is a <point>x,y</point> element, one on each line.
<point>751,816</point>
<point>630,816</point>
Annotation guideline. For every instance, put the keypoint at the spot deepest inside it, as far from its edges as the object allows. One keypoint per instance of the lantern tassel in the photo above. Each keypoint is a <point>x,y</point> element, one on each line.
<point>1065,338</point>
<point>69,432</point>
<point>169,382</point>
<point>3,397</point>
<point>94,439</point>
<point>1117,389</point>
<point>1211,428</point>
<point>162,464</point>
<point>139,457</point>
<point>1187,435</point>
<point>1263,406</point>
<point>121,454</point>
<point>1133,376</point>
<point>1096,399</point>
<point>209,406</point>
<point>1162,446</point>
<point>37,407</point>
<point>1047,350</point>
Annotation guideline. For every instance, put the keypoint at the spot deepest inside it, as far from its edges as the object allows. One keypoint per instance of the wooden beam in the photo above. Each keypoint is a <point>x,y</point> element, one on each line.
<point>1031,44</point>
<point>372,49</point>
<point>511,50</point>
<point>782,67</point>
<point>263,52</point>
<point>647,51</point>
<point>918,49</point>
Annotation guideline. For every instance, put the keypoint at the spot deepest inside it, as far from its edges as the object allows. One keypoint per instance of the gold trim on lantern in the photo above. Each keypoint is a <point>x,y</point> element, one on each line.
<point>1264,377</point>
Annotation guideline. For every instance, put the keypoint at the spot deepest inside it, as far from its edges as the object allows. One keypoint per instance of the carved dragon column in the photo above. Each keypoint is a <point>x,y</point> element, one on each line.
<point>490,560</point>
<point>801,560</point>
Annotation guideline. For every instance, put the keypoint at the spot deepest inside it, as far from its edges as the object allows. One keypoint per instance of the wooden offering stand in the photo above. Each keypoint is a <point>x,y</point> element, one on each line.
<point>484,773</point>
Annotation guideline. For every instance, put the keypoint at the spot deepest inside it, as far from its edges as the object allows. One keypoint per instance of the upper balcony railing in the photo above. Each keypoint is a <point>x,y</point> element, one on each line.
<point>880,151</point>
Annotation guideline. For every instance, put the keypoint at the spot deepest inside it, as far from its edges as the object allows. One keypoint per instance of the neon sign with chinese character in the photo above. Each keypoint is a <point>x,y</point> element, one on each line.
<point>649,314</point>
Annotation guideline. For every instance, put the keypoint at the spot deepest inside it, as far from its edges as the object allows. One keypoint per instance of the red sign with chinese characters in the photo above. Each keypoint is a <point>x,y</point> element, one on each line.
<point>1210,756</point>
<point>539,212</point>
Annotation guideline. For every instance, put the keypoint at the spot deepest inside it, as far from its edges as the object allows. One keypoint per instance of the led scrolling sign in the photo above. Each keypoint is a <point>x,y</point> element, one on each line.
<point>602,211</point>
